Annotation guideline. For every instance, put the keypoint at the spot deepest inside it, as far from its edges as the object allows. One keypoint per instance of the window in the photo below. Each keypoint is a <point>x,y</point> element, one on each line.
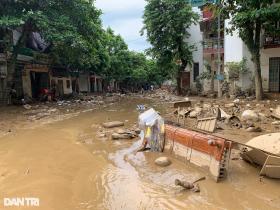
<point>195,71</point>
<point>68,83</point>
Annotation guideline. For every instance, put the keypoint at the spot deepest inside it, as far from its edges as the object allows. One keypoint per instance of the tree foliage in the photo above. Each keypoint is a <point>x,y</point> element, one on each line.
<point>73,31</point>
<point>253,19</point>
<point>166,24</point>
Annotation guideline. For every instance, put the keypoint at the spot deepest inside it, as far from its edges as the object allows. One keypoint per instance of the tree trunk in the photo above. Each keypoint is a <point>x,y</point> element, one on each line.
<point>256,58</point>
<point>212,82</point>
<point>179,85</point>
<point>179,76</point>
<point>258,77</point>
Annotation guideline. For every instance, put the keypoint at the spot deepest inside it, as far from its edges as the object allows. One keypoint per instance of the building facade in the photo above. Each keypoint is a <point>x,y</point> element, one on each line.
<point>232,49</point>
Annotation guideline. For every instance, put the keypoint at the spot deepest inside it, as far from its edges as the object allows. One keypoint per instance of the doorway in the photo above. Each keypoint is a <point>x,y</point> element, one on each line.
<point>274,74</point>
<point>60,87</point>
<point>39,81</point>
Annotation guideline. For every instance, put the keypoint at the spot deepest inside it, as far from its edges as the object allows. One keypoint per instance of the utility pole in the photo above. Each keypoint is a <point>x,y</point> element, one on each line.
<point>219,54</point>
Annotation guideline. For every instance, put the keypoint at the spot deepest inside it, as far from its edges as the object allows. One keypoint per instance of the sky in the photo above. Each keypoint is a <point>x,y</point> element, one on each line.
<point>125,18</point>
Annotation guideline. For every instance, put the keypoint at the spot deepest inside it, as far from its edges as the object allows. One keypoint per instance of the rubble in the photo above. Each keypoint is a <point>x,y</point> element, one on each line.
<point>113,124</point>
<point>27,106</point>
<point>116,136</point>
<point>196,112</point>
<point>236,101</point>
<point>276,112</point>
<point>234,122</point>
<point>163,161</point>
<point>230,105</point>
<point>189,185</point>
<point>254,129</point>
<point>124,134</point>
<point>250,115</point>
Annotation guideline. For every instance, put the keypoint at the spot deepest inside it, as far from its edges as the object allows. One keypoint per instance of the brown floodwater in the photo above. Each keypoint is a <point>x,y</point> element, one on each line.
<point>67,167</point>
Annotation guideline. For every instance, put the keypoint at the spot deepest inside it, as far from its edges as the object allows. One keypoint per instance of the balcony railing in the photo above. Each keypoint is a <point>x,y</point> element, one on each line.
<point>211,46</point>
<point>271,42</point>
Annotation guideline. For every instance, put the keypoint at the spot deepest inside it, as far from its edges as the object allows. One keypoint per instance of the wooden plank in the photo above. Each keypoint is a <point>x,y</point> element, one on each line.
<point>182,104</point>
<point>207,124</point>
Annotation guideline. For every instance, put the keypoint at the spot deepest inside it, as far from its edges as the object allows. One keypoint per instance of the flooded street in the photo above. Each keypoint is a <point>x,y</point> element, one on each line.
<point>68,167</point>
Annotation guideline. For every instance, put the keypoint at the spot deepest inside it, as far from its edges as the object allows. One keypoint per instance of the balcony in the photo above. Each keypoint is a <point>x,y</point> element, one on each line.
<point>271,42</point>
<point>210,46</point>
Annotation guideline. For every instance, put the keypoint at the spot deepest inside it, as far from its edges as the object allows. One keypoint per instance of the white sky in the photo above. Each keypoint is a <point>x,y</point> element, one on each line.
<point>125,18</point>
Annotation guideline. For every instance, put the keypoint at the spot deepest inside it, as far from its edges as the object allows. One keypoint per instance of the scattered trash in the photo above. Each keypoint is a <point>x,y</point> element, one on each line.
<point>235,122</point>
<point>231,105</point>
<point>181,104</point>
<point>27,106</point>
<point>195,113</point>
<point>189,185</point>
<point>236,101</point>
<point>250,115</point>
<point>163,161</point>
<point>276,113</point>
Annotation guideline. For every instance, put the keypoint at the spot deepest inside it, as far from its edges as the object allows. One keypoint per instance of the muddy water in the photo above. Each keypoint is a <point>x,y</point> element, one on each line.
<point>69,168</point>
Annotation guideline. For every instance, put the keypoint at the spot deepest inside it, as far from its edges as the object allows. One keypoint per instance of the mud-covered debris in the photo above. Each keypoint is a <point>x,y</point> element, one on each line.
<point>189,185</point>
<point>163,161</point>
<point>102,135</point>
<point>276,113</point>
<point>116,136</point>
<point>236,101</point>
<point>254,129</point>
<point>230,105</point>
<point>276,123</point>
<point>250,115</point>
<point>121,131</point>
<point>113,124</point>
<point>222,114</point>
<point>27,106</point>
<point>195,113</point>
<point>182,104</point>
<point>234,122</point>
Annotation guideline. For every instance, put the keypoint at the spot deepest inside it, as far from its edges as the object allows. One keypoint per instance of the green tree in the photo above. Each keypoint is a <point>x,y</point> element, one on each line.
<point>253,18</point>
<point>117,56</point>
<point>72,28</point>
<point>166,23</point>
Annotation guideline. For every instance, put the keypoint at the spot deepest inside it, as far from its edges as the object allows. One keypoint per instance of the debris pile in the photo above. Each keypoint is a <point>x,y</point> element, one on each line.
<point>112,130</point>
<point>161,95</point>
<point>235,115</point>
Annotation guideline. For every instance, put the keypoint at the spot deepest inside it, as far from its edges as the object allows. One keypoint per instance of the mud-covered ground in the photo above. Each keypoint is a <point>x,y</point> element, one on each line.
<point>59,158</point>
